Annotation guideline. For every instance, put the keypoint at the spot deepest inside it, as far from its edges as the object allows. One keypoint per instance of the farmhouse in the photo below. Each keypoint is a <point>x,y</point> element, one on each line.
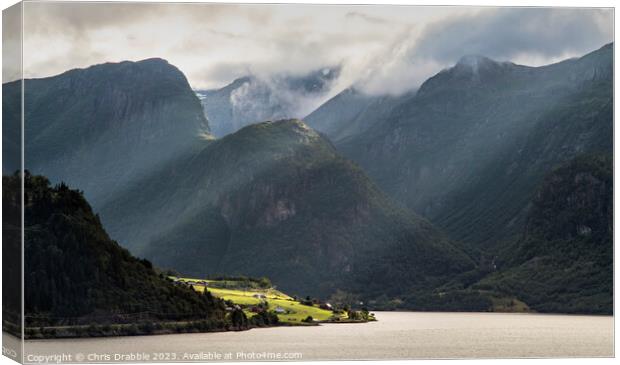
<point>280,310</point>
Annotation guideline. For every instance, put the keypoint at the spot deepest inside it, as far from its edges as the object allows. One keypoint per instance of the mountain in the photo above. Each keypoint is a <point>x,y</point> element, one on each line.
<point>469,149</point>
<point>351,112</point>
<point>75,274</point>
<point>101,127</point>
<point>475,151</point>
<point>133,137</point>
<point>275,199</point>
<point>252,99</point>
<point>563,259</point>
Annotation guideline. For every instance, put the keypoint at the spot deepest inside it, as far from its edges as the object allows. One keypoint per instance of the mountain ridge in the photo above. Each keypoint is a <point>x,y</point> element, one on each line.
<point>292,196</point>
<point>102,126</point>
<point>329,204</point>
<point>430,147</point>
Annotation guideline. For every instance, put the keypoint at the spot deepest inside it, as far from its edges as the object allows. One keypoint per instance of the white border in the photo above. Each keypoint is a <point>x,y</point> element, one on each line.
<point>538,3</point>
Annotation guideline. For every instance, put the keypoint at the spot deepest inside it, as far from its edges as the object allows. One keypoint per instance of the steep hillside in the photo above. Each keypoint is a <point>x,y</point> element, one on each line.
<point>470,148</point>
<point>275,199</point>
<point>101,127</point>
<point>75,274</point>
<point>351,112</point>
<point>563,260</point>
<point>254,99</point>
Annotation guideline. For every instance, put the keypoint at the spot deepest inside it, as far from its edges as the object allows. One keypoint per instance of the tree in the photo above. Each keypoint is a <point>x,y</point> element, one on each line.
<point>343,300</point>
<point>264,283</point>
<point>238,319</point>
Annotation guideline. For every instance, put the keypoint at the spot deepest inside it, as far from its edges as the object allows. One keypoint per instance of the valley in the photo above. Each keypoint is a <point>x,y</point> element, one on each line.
<point>448,197</point>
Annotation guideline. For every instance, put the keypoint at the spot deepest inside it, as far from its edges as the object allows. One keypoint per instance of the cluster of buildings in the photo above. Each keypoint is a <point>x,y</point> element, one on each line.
<point>187,282</point>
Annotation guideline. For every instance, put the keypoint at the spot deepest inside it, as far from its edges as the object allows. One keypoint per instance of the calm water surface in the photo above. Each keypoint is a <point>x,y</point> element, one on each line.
<point>397,335</point>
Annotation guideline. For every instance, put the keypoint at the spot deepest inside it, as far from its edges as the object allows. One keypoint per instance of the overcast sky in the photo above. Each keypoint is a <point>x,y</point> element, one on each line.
<point>384,48</point>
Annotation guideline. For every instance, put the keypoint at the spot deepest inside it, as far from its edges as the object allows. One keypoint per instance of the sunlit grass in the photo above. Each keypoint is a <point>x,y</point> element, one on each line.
<point>294,311</point>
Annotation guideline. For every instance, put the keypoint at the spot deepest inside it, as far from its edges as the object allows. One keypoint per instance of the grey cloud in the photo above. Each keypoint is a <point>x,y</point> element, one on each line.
<point>215,43</point>
<point>78,17</point>
<point>11,44</point>
<point>507,33</point>
<point>87,16</point>
<point>221,74</point>
<point>366,17</point>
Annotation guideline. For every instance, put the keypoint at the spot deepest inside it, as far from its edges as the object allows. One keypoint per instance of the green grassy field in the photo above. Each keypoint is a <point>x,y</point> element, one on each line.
<point>295,312</point>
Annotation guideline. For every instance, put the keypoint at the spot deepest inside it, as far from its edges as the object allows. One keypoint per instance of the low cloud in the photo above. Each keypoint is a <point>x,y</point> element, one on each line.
<point>382,49</point>
<point>264,97</point>
<point>532,36</point>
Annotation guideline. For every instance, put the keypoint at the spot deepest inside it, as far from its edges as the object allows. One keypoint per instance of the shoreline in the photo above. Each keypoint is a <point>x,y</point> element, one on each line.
<point>121,330</point>
<point>289,325</point>
<point>410,335</point>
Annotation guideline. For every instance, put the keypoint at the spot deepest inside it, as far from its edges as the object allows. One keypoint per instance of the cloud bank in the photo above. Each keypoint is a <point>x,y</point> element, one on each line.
<point>530,36</point>
<point>381,49</point>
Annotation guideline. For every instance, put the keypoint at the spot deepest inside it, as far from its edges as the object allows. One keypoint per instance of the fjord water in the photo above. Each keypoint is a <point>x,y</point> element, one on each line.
<point>397,335</point>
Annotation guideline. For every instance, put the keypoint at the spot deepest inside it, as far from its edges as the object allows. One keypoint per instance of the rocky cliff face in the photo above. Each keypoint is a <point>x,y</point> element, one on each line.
<point>100,128</point>
<point>575,202</point>
<point>563,259</point>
